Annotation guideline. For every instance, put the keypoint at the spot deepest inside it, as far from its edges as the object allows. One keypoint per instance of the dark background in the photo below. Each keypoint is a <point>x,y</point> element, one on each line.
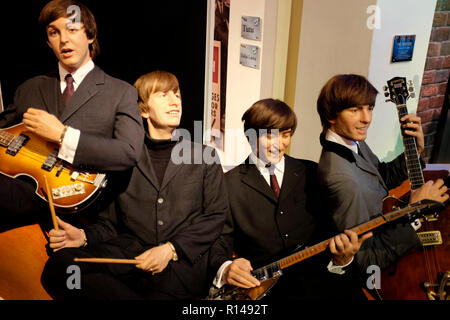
<point>135,37</point>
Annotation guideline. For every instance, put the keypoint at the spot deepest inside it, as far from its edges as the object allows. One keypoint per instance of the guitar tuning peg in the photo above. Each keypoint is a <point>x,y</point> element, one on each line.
<point>386,94</point>
<point>411,89</point>
<point>412,95</point>
<point>385,88</point>
<point>388,100</point>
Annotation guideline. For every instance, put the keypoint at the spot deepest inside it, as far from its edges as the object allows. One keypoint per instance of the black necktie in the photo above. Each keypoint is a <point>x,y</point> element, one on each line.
<point>274,182</point>
<point>68,92</point>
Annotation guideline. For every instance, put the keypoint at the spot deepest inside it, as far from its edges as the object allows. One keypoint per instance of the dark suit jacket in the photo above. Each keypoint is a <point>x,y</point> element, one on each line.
<point>188,209</point>
<point>355,186</point>
<point>262,229</point>
<point>103,108</point>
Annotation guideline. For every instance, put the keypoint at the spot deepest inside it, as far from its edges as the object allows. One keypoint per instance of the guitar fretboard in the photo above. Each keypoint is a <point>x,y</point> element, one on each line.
<point>411,155</point>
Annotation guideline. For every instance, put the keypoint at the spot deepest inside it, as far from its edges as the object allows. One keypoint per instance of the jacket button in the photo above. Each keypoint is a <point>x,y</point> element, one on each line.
<point>160,222</point>
<point>160,200</point>
<point>281,212</point>
<point>286,236</point>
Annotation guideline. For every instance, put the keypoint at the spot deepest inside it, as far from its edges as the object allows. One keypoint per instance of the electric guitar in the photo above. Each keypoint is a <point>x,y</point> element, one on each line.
<point>430,274</point>
<point>399,91</point>
<point>25,155</point>
<point>269,274</point>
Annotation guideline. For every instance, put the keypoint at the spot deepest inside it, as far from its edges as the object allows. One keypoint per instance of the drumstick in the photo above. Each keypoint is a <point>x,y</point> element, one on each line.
<point>107,260</point>
<point>50,203</point>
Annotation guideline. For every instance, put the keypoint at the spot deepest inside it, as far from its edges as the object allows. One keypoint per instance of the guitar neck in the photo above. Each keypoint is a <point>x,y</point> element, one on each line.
<point>411,155</point>
<point>322,246</point>
<point>360,229</point>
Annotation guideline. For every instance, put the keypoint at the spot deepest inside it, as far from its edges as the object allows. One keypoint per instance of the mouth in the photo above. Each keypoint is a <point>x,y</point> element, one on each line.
<point>66,52</point>
<point>364,129</point>
<point>174,112</point>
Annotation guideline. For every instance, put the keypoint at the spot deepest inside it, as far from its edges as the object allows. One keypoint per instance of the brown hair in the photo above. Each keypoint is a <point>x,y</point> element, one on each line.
<point>270,114</point>
<point>60,8</point>
<point>153,82</point>
<point>341,92</point>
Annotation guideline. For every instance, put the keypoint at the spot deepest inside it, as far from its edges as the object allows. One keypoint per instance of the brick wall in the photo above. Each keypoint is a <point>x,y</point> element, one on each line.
<point>435,76</point>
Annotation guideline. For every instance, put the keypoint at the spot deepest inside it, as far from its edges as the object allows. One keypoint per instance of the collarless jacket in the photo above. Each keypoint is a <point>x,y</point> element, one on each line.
<point>187,209</point>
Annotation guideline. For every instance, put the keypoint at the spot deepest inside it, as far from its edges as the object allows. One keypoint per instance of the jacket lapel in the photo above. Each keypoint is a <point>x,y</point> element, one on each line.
<point>252,177</point>
<point>290,177</point>
<point>361,161</point>
<point>87,89</point>
<point>50,91</point>
<point>173,168</point>
<point>145,167</point>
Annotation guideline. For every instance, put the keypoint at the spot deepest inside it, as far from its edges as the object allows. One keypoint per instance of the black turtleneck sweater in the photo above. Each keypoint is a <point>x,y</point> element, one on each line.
<point>159,151</point>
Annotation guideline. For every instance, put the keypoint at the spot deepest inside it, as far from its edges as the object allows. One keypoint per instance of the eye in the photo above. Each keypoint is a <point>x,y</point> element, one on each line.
<point>51,32</point>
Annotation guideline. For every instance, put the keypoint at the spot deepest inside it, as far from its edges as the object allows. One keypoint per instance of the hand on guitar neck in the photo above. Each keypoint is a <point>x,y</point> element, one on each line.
<point>431,190</point>
<point>411,124</point>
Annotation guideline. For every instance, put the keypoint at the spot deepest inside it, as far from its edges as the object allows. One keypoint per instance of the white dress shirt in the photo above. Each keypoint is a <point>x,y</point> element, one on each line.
<point>71,138</point>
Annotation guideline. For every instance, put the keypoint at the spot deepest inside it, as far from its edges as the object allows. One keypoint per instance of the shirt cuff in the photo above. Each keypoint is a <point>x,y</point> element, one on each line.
<point>337,269</point>
<point>69,145</point>
<point>218,279</point>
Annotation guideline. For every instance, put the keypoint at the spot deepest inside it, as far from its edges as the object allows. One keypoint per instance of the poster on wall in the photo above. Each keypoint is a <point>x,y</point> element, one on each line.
<point>219,76</point>
<point>403,48</point>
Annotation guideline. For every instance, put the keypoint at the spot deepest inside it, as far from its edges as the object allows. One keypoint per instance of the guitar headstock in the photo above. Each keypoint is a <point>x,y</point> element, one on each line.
<point>398,90</point>
<point>423,209</point>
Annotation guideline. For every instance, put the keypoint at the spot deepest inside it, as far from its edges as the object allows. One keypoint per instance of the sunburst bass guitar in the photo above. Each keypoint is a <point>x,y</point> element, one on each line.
<point>25,154</point>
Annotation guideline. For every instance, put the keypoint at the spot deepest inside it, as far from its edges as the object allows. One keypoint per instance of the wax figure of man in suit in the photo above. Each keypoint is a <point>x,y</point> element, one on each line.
<point>172,210</point>
<point>263,227</point>
<point>92,116</point>
<point>352,178</point>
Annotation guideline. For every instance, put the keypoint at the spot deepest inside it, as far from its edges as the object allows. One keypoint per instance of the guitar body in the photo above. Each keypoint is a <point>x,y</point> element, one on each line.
<point>237,293</point>
<point>420,273</point>
<point>71,190</point>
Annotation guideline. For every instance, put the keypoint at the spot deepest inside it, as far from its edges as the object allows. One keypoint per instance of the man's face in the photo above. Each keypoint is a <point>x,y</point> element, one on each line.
<point>69,42</point>
<point>273,144</point>
<point>164,112</point>
<point>353,123</point>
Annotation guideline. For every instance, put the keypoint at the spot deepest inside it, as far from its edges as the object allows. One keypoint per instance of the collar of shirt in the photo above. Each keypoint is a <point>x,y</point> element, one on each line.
<point>334,137</point>
<point>78,75</point>
<point>261,166</point>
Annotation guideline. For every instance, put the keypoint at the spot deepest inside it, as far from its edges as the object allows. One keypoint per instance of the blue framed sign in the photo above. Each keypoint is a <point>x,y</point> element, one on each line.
<point>403,48</point>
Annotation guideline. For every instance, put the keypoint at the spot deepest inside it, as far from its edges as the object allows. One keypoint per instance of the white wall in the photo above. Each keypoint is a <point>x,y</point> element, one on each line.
<point>400,17</point>
<point>335,38</point>
<point>247,85</point>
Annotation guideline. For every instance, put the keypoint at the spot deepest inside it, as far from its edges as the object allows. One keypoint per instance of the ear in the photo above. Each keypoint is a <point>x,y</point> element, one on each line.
<point>145,115</point>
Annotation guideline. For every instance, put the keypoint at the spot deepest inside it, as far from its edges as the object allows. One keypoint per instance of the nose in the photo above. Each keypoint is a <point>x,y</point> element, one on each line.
<point>366,116</point>
<point>63,36</point>
<point>173,99</point>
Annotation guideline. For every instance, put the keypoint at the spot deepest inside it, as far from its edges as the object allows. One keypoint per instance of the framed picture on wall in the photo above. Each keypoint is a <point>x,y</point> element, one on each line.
<point>403,48</point>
